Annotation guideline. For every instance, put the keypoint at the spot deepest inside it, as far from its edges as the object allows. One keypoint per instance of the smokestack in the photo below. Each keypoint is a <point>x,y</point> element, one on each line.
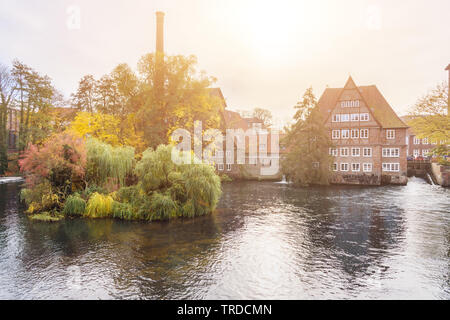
<point>448,93</point>
<point>160,32</point>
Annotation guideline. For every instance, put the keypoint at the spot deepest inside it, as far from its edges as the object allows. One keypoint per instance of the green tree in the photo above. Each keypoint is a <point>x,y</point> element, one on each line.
<point>307,141</point>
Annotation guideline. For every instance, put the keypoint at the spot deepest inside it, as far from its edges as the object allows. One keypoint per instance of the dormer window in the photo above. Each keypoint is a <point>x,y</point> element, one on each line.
<point>350,104</point>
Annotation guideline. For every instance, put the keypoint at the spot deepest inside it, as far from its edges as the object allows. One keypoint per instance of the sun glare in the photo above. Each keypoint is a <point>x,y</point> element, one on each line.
<point>273,26</point>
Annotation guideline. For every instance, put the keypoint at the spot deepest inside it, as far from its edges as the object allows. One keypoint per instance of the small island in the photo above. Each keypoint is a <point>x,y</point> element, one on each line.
<point>74,177</point>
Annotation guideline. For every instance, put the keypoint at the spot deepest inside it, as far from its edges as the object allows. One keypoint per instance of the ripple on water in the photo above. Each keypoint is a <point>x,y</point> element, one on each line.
<point>266,240</point>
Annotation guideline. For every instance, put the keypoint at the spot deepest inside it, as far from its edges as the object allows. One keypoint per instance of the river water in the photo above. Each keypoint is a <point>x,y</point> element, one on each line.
<point>266,241</point>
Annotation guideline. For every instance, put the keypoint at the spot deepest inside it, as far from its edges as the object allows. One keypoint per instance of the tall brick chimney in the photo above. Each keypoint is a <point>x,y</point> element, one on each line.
<point>159,55</point>
<point>160,31</point>
<point>448,93</point>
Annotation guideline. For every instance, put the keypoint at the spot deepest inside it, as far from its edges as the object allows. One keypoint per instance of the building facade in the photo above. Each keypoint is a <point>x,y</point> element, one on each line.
<point>369,139</point>
<point>257,138</point>
<point>418,148</point>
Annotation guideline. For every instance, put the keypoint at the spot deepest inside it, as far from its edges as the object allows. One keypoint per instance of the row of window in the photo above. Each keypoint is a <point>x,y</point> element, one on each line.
<point>391,167</point>
<point>366,167</point>
<point>345,117</point>
<point>347,133</point>
<point>350,103</point>
<point>221,166</point>
<point>355,167</point>
<point>355,152</point>
<point>367,152</point>
<point>391,152</point>
<point>417,140</point>
<point>425,152</point>
<point>357,133</point>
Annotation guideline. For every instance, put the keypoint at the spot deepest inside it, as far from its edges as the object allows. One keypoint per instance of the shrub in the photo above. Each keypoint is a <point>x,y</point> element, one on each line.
<point>203,187</point>
<point>74,206</point>
<point>163,207</point>
<point>123,211</point>
<point>106,163</point>
<point>40,198</point>
<point>99,206</point>
<point>61,161</point>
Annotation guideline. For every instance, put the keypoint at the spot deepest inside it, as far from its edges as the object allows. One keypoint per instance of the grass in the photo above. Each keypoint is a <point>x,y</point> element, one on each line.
<point>46,217</point>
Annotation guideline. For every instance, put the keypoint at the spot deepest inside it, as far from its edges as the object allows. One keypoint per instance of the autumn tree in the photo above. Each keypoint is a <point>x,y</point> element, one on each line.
<point>182,99</point>
<point>84,98</point>
<point>307,141</point>
<point>264,115</point>
<point>430,118</point>
<point>35,94</point>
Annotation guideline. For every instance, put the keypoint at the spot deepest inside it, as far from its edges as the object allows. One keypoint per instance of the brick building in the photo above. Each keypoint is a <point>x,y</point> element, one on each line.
<point>369,138</point>
<point>417,147</point>
<point>254,128</point>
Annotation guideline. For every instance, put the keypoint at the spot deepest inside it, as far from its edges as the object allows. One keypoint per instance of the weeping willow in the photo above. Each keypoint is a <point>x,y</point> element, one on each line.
<point>99,206</point>
<point>74,206</point>
<point>105,162</point>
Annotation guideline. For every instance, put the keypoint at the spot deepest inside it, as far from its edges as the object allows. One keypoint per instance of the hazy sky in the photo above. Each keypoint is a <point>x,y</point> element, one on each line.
<point>263,53</point>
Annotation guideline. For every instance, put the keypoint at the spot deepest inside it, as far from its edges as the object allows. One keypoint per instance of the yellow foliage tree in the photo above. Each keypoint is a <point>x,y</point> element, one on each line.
<point>109,129</point>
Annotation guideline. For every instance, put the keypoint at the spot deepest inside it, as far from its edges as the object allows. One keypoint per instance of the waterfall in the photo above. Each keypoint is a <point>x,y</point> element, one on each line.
<point>430,179</point>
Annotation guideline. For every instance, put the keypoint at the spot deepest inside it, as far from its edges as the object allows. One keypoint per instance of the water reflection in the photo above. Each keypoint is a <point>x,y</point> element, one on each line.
<point>266,240</point>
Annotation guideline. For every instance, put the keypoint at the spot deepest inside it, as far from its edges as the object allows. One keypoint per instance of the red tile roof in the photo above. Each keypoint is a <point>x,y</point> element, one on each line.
<point>381,109</point>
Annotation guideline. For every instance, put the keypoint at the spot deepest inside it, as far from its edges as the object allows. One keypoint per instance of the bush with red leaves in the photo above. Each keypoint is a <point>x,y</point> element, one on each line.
<point>61,161</point>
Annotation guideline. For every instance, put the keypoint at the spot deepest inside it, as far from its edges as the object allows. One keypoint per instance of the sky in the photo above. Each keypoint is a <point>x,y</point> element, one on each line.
<point>263,53</point>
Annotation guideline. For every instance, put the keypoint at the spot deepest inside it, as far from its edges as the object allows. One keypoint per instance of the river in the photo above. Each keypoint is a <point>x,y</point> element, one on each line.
<point>266,241</point>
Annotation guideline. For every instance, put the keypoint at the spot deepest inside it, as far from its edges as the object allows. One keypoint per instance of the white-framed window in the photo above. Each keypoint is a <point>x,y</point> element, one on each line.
<point>390,134</point>
<point>364,133</point>
<point>367,152</point>
<point>355,133</point>
<point>354,117</point>
<point>425,141</point>
<point>391,152</point>
<point>391,167</point>
<point>228,167</point>
<point>336,118</point>
<point>228,154</point>
<point>344,152</point>
<point>367,167</point>
<point>425,152</point>
<point>345,117</point>
<point>334,152</point>
<point>345,134</point>
<point>344,166</point>
<point>350,103</point>
<point>416,140</point>
<point>220,167</point>
<point>335,134</point>
<point>316,165</point>
<point>356,167</point>
<point>262,147</point>
<point>219,154</point>
<point>356,152</point>
<point>364,117</point>
<point>416,152</point>
<point>335,166</point>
